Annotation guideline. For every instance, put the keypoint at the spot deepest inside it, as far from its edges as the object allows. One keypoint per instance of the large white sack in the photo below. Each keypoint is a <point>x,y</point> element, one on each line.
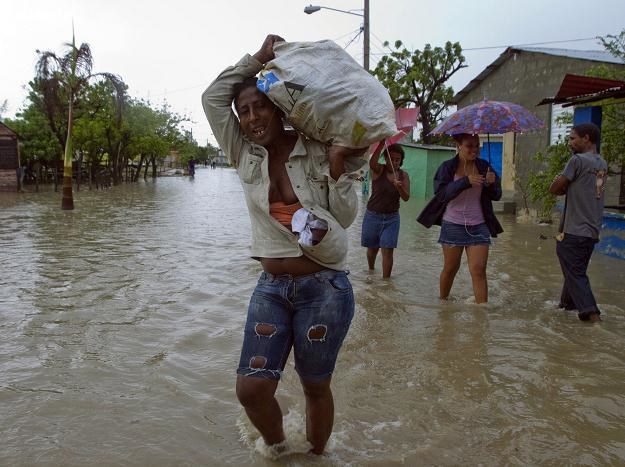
<point>327,95</point>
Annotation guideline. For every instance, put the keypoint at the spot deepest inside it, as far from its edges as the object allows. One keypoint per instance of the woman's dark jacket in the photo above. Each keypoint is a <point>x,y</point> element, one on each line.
<point>446,189</point>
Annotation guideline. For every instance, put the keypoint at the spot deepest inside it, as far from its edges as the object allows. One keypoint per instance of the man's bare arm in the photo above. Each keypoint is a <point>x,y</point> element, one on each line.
<point>559,185</point>
<point>336,155</point>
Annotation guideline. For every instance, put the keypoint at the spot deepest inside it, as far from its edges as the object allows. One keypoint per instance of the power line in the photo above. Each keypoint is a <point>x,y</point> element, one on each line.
<point>514,45</point>
<point>511,45</point>
<point>180,90</point>
<point>353,39</point>
<point>380,47</point>
<point>378,51</point>
<point>359,31</point>
<point>533,43</point>
<point>379,40</point>
<point>347,34</point>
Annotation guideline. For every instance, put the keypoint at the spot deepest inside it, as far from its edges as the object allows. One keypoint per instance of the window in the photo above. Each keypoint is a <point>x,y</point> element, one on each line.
<point>559,129</point>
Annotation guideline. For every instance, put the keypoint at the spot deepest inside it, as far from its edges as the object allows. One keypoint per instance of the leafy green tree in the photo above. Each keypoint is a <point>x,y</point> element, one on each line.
<point>613,113</point>
<point>188,148</point>
<point>101,133</point>
<point>170,131</point>
<point>50,101</point>
<point>115,140</point>
<point>204,154</point>
<point>615,44</point>
<point>417,78</point>
<point>38,143</point>
<point>71,73</point>
<point>147,135</point>
<point>553,160</point>
<point>201,154</point>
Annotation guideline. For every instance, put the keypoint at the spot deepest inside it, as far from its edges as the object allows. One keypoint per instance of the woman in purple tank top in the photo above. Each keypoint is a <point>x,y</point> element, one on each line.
<point>380,226</point>
<point>463,226</point>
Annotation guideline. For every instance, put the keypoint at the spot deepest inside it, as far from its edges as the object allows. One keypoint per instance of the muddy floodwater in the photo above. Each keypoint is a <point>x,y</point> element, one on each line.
<point>121,324</point>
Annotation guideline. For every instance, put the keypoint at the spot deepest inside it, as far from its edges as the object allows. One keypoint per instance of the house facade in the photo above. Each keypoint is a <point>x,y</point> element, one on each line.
<point>526,76</point>
<point>9,159</point>
<point>421,162</point>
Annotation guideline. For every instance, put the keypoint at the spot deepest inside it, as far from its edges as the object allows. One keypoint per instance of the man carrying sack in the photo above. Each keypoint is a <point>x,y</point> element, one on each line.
<point>303,300</point>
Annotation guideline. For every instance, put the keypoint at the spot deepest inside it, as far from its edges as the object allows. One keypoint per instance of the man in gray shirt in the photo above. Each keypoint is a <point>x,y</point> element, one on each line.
<point>583,182</point>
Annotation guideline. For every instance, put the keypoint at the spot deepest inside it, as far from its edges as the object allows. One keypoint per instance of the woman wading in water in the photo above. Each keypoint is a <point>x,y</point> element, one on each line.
<point>465,187</point>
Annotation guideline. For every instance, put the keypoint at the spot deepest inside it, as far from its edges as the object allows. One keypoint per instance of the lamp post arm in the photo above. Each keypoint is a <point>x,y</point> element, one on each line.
<point>310,9</point>
<point>340,11</point>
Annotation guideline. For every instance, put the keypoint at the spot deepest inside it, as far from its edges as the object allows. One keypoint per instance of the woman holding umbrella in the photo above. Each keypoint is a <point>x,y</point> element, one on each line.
<point>464,188</point>
<point>380,226</point>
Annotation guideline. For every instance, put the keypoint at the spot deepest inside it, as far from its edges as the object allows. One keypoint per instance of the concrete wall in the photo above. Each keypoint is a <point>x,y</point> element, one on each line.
<point>421,163</point>
<point>415,164</point>
<point>8,180</point>
<point>508,171</point>
<point>526,78</point>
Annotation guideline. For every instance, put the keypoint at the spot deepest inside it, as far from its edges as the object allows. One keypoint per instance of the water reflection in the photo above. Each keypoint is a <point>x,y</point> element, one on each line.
<point>122,323</point>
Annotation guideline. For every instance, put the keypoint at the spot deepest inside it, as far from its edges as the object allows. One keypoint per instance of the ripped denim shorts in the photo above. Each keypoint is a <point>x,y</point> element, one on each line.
<point>310,313</point>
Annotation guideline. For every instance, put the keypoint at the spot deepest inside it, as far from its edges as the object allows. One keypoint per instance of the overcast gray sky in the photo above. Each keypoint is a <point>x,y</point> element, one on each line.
<point>173,50</point>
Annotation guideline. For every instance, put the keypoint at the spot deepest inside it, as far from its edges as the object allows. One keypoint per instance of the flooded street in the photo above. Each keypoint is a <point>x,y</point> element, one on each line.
<point>121,325</point>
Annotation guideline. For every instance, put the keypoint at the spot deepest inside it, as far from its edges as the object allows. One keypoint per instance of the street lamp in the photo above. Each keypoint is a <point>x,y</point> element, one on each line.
<point>310,9</point>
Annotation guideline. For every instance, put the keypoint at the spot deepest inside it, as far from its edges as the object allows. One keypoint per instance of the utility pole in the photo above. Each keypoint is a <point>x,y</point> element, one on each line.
<point>310,9</point>
<point>366,36</point>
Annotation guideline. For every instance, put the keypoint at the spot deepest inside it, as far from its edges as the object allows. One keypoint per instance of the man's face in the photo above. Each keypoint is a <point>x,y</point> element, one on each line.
<point>258,116</point>
<point>577,144</point>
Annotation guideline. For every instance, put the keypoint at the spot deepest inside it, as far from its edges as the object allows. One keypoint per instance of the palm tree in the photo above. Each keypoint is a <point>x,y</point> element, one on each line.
<point>72,73</point>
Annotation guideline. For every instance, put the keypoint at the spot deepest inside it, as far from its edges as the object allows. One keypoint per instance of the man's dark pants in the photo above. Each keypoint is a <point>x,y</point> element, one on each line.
<point>574,253</point>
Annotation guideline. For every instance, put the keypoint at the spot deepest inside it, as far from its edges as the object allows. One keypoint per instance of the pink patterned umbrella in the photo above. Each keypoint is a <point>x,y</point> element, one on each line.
<point>489,117</point>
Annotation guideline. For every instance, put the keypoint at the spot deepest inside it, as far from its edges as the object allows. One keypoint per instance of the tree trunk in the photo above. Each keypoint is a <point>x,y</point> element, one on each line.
<point>135,177</point>
<point>154,168</point>
<point>67,201</point>
<point>426,127</point>
<point>117,168</point>
<point>90,172</point>
<point>145,172</point>
<point>79,174</point>
<point>55,176</point>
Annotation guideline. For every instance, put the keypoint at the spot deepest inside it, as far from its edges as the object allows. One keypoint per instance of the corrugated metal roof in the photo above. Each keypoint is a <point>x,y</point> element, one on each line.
<point>591,55</point>
<point>575,85</point>
<point>578,89</point>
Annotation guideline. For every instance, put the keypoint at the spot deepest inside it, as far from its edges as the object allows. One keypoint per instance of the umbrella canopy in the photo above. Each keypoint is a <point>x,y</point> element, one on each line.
<point>406,120</point>
<point>489,117</point>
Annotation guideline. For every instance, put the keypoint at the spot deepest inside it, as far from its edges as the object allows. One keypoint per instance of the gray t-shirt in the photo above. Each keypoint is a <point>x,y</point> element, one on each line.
<point>587,174</point>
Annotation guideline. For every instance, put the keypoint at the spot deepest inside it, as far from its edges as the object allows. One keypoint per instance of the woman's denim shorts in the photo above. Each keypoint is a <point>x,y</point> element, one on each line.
<point>464,235</point>
<point>310,313</point>
<point>380,230</point>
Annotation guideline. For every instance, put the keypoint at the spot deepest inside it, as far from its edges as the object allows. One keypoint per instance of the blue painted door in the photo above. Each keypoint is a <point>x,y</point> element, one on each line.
<point>496,155</point>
